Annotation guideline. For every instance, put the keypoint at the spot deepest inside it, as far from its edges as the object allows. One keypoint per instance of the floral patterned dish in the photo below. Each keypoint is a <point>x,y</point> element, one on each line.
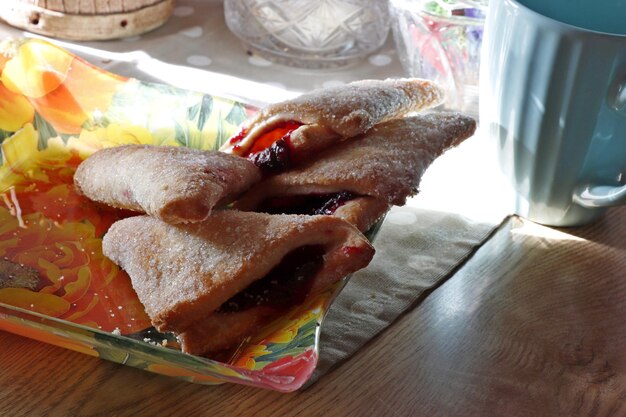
<point>55,284</point>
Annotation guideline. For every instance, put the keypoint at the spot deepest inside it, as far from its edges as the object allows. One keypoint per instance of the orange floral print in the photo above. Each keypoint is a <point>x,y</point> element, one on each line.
<point>64,89</point>
<point>55,111</point>
<point>77,282</point>
<point>47,226</point>
<point>15,110</point>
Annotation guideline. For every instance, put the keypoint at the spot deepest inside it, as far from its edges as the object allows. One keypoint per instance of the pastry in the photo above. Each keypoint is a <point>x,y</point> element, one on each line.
<point>284,134</point>
<point>358,179</point>
<point>193,278</point>
<point>175,184</point>
<point>221,331</point>
<point>361,211</point>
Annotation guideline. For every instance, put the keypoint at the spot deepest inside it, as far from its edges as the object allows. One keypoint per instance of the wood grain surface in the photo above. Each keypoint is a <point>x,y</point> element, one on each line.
<point>534,324</point>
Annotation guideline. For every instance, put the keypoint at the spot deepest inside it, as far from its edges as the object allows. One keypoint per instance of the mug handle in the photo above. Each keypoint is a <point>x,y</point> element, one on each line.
<point>592,196</point>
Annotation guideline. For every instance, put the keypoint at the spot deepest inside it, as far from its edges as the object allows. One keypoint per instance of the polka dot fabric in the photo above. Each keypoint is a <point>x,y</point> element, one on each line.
<point>195,44</point>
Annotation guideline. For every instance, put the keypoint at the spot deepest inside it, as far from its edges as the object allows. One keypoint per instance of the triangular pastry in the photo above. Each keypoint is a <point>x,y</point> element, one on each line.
<point>224,330</point>
<point>175,184</point>
<point>285,133</point>
<point>358,179</point>
<point>185,273</point>
<point>362,212</point>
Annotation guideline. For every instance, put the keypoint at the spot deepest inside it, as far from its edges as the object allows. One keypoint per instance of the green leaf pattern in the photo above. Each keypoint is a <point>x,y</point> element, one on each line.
<point>192,119</point>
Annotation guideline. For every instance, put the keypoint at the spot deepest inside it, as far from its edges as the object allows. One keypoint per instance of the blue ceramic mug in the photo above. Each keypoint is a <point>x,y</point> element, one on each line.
<point>553,101</point>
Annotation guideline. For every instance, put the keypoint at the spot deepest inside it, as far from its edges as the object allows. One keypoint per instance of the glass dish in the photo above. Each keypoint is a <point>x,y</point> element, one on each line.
<point>441,40</point>
<point>55,284</point>
<point>309,34</point>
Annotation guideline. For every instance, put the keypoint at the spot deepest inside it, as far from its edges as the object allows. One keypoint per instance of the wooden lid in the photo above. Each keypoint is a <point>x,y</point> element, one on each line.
<point>86,20</point>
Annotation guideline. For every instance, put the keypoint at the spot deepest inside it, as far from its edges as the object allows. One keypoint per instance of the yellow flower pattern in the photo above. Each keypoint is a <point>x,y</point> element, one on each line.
<point>55,111</point>
<point>15,110</point>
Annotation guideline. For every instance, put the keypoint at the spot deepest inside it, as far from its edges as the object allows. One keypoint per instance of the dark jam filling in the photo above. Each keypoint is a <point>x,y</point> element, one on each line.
<point>311,204</point>
<point>274,159</point>
<point>271,151</point>
<point>284,286</point>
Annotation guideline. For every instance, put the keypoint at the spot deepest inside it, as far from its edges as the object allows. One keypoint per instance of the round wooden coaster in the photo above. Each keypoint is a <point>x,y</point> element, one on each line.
<point>86,19</point>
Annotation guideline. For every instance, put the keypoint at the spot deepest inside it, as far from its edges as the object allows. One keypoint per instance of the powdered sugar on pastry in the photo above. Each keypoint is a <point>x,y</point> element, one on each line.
<point>363,212</point>
<point>175,184</point>
<point>182,273</point>
<point>386,163</point>
<point>339,112</point>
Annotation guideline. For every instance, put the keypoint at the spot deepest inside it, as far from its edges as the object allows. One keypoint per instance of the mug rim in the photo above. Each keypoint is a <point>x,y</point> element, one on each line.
<point>569,26</point>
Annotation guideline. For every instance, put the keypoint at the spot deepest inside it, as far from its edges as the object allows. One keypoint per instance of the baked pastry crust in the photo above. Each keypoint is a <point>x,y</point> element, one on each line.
<point>183,273</point>
<point>363,212</point>
<point>385,164</point>
<point>337,113</point>
<point>220,331</point>
<point>175,184</point>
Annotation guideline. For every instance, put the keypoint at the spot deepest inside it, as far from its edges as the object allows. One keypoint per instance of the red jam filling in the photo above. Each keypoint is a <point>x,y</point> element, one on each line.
<point>311,204</point>
<point>280,131</point>
<point>238,137</point>
<point>352,250</point>
<point>272,149</point>
<point>284,286</point>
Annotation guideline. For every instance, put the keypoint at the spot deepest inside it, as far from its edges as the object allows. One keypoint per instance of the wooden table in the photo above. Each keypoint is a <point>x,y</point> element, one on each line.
<point>534,324</point>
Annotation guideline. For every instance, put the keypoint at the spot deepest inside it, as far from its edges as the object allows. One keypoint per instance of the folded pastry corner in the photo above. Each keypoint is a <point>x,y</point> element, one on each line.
<point>233,271</point>
<point>362,212</point>
<point>175,184</point>
<point>359,179</point>
<point>284,133</point>
<point>219,332</point>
